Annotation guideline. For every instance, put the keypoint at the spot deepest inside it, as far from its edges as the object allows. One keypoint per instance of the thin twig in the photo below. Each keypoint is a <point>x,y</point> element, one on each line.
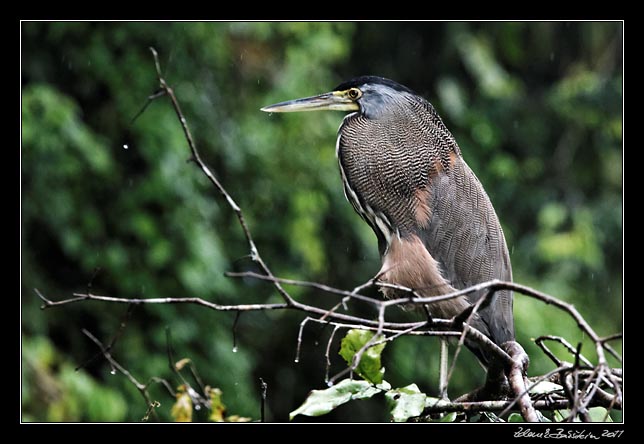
<point>235,323</point>
<point>411,329</point>
<point>357,357</point>
<point>150,99</point>
<point>442,406</point>
<point>142,388</point>
<point>316,285</point>
<point>572,350</point>
<point>197,398</point>
<point>299,339</point>
<point>327,354</point>
<point>254,252</point>
<point>461,341</point>
<point>137,301</point>
<point>264,389</point>
<point>240,307</point>
<point>112,342</point>
<point>591,393</point>
<point>172,364</point>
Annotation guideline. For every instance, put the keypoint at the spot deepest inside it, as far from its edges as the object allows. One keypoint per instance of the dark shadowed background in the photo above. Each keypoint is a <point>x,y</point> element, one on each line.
<point>535,107</point>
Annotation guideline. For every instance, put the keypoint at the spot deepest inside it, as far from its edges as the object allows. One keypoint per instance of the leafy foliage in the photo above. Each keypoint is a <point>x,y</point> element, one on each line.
<point>69,395</point>
<point>405,402</point>
<point>113,205</point>
<point>181,411</point>
<point>369,367</point>
<point>321,402</point>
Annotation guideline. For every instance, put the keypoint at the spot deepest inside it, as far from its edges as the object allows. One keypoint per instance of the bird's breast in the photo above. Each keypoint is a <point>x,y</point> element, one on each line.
<point>387,168</point>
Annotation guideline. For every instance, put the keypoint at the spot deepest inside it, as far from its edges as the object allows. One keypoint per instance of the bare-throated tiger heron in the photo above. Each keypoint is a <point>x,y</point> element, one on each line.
<point>404,174</point>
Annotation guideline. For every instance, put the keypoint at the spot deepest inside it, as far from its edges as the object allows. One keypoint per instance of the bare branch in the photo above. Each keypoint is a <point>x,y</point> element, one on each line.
<point>540,342</point>
<point>327,353</point>
<point>582,385</point>
<point>142,388</point>
<point>516,380</point>
<point>77,297</point>
<point>461,340</point>
<point>235,323</point>
<point>442,406</point>
<point>112,343</point>
<point>316,285</point>
<point>254,252</point>
<point>299,339</point>
<point>264,388</point>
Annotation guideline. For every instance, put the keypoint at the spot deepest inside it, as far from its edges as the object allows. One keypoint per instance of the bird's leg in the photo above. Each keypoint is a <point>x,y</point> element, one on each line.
<point>442,373</point>
<point>444,358</point>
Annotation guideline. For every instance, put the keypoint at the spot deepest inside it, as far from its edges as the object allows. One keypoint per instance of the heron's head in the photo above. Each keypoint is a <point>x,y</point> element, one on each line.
<point>372,96</point>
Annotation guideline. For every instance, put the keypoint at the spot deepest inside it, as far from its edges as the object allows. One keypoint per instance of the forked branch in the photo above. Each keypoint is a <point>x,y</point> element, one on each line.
<point>579,396</point>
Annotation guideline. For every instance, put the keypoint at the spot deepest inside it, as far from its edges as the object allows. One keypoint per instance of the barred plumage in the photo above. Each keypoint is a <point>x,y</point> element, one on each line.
<point>403,173</point>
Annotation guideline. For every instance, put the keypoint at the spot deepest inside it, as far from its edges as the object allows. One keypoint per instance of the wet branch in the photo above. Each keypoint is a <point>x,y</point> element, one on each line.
<point>142,388</point>
<point>581,389</point>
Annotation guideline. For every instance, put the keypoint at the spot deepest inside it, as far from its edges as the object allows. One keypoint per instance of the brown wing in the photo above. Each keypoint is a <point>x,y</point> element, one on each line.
<point>404,175</point>
<point>465,237</point>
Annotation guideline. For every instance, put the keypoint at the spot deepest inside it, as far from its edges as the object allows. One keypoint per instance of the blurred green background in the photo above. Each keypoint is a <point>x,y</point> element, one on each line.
<point>535,107</point>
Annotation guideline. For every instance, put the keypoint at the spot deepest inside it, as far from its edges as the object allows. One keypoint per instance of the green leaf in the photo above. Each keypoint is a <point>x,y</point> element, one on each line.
<point>321,402</point>
<point>490,417</point>
<point>405,402</point>
<point>599,414</point>
<point>560,415</point>
<point>369,367</point>
<point>450,417</point>
<point>545,387</point>
<point>515,417</point>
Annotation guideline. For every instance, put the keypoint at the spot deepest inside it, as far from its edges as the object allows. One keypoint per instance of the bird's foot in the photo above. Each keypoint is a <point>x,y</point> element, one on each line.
<point>497,384</point>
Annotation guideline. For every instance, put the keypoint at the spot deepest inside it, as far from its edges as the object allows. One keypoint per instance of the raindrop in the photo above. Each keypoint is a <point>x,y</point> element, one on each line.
<point>125,147</point>
<point>197,407</point>
<point>235,349</point>
<point>552,56</point>
<point>112,372</point>
<point>329,383</point>
<point>296,360</point>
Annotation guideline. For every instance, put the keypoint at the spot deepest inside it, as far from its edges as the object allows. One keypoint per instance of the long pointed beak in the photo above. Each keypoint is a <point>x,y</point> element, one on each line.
<point>323,102</point>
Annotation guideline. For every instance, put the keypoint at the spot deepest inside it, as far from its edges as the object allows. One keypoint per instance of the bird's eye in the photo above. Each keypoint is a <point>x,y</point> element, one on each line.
<point>354,93</point>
